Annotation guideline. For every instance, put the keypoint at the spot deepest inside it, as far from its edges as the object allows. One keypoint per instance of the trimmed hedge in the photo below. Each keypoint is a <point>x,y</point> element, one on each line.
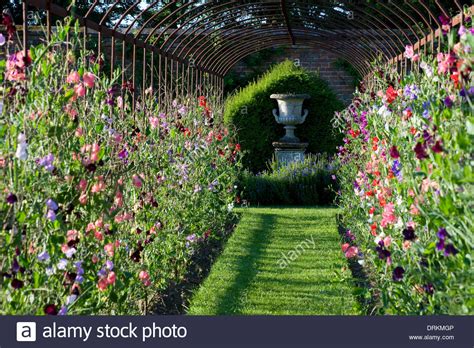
<point>302,183</point>
<point>250,112</point>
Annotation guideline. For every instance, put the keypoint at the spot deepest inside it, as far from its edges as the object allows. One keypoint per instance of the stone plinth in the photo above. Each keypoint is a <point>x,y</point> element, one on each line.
<point>289,152</point>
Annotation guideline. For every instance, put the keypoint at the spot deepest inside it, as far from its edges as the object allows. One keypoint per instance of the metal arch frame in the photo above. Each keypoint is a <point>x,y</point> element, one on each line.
<point>218,52</point>
<point>229,42</point>
<point>217,60</point>
<point>186,44</point>
<point>255,39</point>
<point>221,65</point>
<point>402,45</point>
<point>360,68</point>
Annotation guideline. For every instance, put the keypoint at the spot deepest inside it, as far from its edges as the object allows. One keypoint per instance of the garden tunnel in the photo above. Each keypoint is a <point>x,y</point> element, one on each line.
<point>186,47</point>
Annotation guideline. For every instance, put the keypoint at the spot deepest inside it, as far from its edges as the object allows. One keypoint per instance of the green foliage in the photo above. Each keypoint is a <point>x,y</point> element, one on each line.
<point>300,183</point>
<point>250,112</point>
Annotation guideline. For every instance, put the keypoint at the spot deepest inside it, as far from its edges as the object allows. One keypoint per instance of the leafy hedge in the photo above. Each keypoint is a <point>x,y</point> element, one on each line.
<point>307,183</point>
<point>250,112</point>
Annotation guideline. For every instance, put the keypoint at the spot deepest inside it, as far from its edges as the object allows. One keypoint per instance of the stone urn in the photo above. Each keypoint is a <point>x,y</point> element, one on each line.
<point>290,113</point>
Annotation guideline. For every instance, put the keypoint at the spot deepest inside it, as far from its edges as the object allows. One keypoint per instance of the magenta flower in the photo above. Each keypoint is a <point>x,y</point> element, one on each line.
<point>420,150</point>
<point>394,152</point>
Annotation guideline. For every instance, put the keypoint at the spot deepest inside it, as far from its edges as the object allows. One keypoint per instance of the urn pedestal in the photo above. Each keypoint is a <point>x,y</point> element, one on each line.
<point>290,113</point>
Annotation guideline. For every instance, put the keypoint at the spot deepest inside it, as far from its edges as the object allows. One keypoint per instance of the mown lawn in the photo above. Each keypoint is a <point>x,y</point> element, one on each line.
<point>250,277</point>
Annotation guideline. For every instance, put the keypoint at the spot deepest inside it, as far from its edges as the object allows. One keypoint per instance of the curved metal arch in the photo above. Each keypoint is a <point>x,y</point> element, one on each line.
<point>223,54</point>
<point>362,70</point>
<point>385,27</point>
<point>334,48</point>
<point>203,38</point>
<point>217,52</point>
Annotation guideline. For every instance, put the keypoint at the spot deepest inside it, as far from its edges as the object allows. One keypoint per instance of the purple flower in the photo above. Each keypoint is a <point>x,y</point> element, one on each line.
<point>44,256</point>
<point>47,162</point>
<point>450,250</point>
<point>396,168</point>
<point>51,204</point>
<point>79,279</point>
<point>212,185</point>
<point>398,273</point>
<point>102,273</point>
<point>63,310</point>
<point>442,233</point>
<point>11,198</point>
<point>440,245</point>
<point>51,215</point>
<point>70,252</point>
<point>17,284</point>
<point>123,154</point>
<point>409,233</point>
<point>448,102</point>
<point>429,288</point>
<point>411,91</point>
<point>62,264</point>
<point>109,265</point>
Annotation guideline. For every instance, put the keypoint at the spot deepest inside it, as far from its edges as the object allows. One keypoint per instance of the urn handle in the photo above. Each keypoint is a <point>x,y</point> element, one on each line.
<point>305,113</point>
<point>275,114</point>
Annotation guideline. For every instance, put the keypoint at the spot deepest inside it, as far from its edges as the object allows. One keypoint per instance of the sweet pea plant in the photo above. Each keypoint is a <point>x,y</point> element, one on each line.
<point>407,182</point>
<point>102,207</point>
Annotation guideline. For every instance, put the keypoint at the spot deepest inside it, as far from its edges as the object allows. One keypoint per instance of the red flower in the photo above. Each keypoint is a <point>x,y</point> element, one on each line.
<point>237,147</point>
<point>202,101</point>
<point>391,94</point>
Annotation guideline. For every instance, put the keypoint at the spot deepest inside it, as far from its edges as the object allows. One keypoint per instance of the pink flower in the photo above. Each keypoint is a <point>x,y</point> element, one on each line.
<point>73,77</point>
<point>82,185</point>
<point>388,215</point>
<point>147,282</point>
<point>79,132</point>
<point>118,200</point>
<point>72,235</point>
<point>414,210</point>
<point>95,259</point>
<point>79,90</point>
<point>102,284</point>
<point>344,247</point>
<point>99,186</point>
<point>111,278</point>
<point>351,252</point>
<point>98,235</point>
<point>408,52</point>
<point>143,275</point>
<point>154,122</point>
<point>83,198</point>
<point>137,182</point>
<point>109,249</point>
<point>387,241</point>
<point>89,79</point>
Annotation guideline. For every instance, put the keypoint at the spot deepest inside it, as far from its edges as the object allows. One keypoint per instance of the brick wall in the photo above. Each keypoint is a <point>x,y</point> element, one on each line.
<point>315,59</point>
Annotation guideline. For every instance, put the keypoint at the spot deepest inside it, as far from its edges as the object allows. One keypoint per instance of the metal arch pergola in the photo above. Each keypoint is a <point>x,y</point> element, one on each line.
<point>189,46</point>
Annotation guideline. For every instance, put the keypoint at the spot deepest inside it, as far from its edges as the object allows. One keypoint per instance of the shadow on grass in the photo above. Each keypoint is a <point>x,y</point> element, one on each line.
<point>247,264</point>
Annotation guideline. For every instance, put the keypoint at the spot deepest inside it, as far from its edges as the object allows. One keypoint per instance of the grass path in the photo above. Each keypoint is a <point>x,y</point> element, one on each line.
<point>250,277</point>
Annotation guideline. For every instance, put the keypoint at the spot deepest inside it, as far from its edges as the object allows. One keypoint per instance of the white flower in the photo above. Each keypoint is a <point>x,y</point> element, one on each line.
<point>70,299</point>
<point>384,111</point>
<point>230,207</point>
<point>427,69</point>
<point>21,150</point>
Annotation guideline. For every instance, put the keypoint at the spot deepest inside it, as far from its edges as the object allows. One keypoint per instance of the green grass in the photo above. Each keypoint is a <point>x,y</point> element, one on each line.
<point>248,277</point>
